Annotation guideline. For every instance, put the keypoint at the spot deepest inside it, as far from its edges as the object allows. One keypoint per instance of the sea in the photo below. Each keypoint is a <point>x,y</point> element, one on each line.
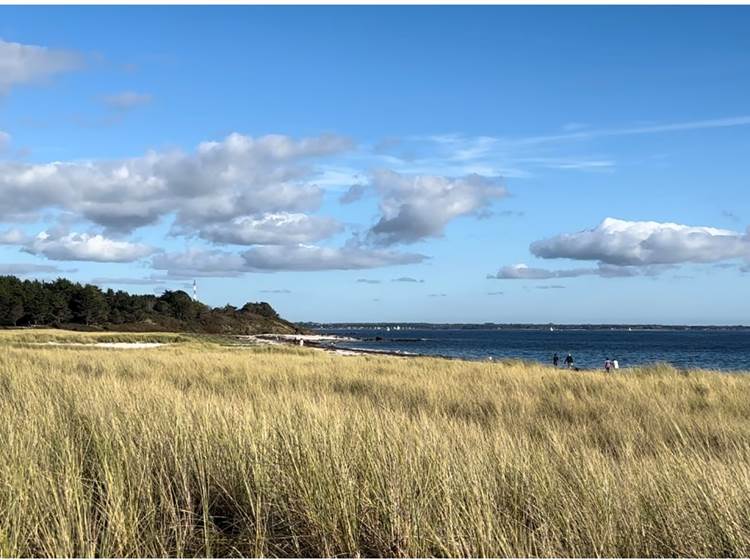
<point>722,349</point>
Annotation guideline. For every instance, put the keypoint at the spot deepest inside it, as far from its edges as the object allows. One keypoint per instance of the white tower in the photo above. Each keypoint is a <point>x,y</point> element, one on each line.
<point>195,290</point>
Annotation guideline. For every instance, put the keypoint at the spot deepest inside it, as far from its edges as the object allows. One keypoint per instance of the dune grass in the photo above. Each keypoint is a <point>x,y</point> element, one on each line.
<point>57,336</point>
<point>201,450</point>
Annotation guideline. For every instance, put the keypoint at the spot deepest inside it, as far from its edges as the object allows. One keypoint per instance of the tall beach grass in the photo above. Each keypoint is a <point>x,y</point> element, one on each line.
<point>57,336</point>
<point>194,449</point>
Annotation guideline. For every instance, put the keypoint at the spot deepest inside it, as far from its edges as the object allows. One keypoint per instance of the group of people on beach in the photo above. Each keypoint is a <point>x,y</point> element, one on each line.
<point>569,363</point>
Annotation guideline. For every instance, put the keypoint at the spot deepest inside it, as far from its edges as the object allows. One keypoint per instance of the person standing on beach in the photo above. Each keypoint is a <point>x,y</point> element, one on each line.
<point>555,360</point>
<point>569,361</point>
<point>607,365</point>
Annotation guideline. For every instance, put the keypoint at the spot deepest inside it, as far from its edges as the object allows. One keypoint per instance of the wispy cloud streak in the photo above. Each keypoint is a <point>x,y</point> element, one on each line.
<point>627,131</point>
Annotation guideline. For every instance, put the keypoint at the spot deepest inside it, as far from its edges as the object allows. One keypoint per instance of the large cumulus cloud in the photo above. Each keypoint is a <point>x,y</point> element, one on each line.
<point>622,248</point>
<point>86,247</point>
<point>416,207</point>
<point>621,242</point>
<point>220,181</point>
<point>58,244</point>
<point>256,192</point>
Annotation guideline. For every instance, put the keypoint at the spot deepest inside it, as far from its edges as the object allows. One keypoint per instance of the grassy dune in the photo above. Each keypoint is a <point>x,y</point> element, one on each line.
<point>44,336</point>
<point>196,449</point>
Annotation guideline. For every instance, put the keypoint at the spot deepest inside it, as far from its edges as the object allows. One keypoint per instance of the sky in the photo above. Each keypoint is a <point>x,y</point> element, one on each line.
<point>385,163</point>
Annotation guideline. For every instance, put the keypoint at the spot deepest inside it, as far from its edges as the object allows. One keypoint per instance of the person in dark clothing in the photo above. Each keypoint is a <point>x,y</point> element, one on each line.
<point>569,361</point>
<point>555,360</point>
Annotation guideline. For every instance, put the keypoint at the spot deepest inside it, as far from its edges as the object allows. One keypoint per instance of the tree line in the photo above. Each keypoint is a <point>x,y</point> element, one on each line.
<point>63,303</point>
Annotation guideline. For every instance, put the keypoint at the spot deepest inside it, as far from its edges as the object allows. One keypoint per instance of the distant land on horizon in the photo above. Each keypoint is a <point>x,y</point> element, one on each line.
<point>74,306</point>
<point>515,326</point>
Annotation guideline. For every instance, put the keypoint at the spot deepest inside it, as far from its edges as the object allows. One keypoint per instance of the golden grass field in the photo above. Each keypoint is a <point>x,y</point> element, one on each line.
<point>199,449</point>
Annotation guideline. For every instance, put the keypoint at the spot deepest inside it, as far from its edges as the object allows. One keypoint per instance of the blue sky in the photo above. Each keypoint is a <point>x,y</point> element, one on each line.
<point>522,164</point>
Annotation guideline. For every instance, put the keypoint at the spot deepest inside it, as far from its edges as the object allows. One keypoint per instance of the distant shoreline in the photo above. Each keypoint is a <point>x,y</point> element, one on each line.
<point>328,344</point>
<point>518,326</point>
<point>724,349</point>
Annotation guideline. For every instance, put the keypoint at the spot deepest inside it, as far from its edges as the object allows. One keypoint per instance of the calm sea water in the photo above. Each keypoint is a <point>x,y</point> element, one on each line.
<point>714,349</point>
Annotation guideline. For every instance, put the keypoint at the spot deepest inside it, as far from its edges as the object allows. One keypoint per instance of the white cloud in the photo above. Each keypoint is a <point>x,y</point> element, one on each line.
<point>415,207</point>
<point>581,163</point>
<point>523,156</point>
<point>127,100</point>
<point>453,155</point>
<point>221,181</point>
<point>86,247</point>
<point>199,262</point>
<point>621,242</point>
<point>24,64</point>
<point>242,190</point>
<point>272,229</point>
<point>743,120</point>
<point>624,248</point>
<point>525,272</point>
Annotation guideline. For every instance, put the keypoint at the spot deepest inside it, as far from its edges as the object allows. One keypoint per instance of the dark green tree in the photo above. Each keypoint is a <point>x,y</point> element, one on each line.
<point>263,309</point>
<point>62,302</point>
<point>11,300</point>
<point>89,306</point>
